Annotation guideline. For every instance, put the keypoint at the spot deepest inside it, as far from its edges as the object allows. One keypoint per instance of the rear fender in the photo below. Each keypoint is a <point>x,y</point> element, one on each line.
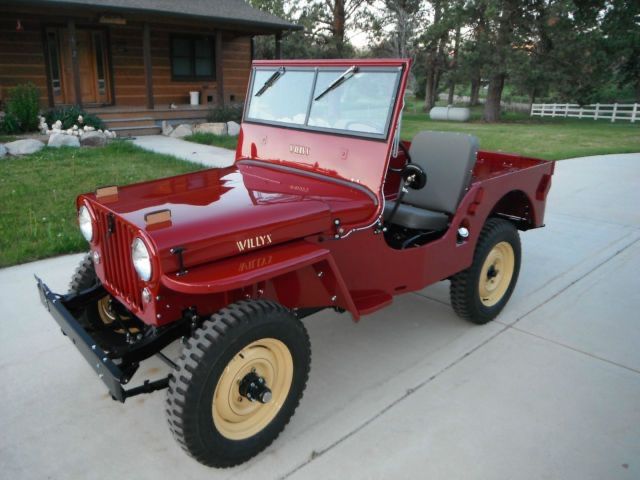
<point>297,275</point>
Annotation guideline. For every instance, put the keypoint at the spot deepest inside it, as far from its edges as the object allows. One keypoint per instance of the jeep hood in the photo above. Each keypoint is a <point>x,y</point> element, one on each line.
<point>218,213</point>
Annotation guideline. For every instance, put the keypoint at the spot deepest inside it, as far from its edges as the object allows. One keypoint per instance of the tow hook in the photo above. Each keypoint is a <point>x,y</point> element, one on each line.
<point>255,388</point>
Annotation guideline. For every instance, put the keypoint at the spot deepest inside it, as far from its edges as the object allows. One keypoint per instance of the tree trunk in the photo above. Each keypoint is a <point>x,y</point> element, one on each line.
<point>494,96</point>
<point>339,21</point>
<point>430,88</point>
<point>474,98</point>
<point>532,98</point>
<point>432,60</point>
<point>453,67</point>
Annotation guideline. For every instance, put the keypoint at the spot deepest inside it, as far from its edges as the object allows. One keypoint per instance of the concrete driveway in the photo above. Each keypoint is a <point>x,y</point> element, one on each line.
<point>549,390</point>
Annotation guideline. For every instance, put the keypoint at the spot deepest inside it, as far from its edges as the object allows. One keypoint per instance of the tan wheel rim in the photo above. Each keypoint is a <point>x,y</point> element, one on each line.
<point>105,311</point>
<point>236,417</point>
<point>496,274</point>
<point>108,316</point>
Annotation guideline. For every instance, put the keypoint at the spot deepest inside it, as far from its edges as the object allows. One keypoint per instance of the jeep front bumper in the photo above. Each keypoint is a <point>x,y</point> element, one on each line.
<point>112,374</point>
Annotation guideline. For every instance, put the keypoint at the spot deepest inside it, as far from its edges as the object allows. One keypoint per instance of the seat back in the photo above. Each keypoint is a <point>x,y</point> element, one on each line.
<point>448,159</point>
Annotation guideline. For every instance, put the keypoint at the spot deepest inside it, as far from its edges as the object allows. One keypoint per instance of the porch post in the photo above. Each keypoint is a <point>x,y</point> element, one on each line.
<point>148,68</point>
<point>47,59</point>
<point>75,66</point>
<point>278,54</point>
<point>219,69</point>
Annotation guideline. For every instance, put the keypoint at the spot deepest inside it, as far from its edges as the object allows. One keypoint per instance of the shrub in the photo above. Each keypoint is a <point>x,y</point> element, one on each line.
<point>9,125</point>
<point>226,113</point>
<point>69,117</point>
<point>22,109</point>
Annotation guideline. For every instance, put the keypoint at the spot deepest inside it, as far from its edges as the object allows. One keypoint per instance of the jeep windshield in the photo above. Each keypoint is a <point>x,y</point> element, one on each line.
<point>347,100</point>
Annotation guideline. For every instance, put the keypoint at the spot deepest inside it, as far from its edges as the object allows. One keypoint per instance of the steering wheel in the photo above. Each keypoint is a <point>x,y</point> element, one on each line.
<point>405,150</point>
<point>414,176</point>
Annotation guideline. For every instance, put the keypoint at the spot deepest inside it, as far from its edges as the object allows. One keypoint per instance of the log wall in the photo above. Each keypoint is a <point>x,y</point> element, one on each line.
<point>22,57</point>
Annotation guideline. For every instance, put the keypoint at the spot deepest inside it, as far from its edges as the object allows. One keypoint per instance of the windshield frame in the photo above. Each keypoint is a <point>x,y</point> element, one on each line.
<point>311,128</point>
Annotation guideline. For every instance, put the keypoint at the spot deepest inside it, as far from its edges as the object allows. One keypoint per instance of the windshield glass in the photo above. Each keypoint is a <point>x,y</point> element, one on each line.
<point>360,105</point>
<point>285,101</point>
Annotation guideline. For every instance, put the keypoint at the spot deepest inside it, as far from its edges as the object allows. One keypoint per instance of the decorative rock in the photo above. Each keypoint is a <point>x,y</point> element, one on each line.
<point>166,128</point>
<point>3,151</point>
<point>57,125</point>
<point>58,140</point>
<point>215,128</point>
<point>24,147</point>
<point>182,130</point>
<point>43,127</point>
<point>233,128</point>
<point>93,139</point>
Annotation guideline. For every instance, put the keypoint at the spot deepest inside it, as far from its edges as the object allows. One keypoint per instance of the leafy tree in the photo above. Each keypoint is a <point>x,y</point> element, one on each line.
<point>621,31</point>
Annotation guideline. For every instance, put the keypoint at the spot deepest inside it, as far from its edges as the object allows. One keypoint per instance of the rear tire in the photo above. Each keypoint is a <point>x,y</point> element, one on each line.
<point>208,414</point>
<point>480,292</point>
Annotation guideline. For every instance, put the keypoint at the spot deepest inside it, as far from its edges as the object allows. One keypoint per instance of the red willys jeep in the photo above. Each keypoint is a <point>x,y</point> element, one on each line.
<point>324,207</point>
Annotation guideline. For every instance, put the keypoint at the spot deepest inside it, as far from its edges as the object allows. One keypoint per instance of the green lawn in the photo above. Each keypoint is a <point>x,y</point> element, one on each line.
<point>550,139</point>
<point>37,194</point>
<point>224,141</point>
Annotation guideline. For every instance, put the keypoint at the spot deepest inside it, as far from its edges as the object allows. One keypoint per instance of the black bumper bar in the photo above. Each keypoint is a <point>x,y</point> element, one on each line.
<point>106,369</point>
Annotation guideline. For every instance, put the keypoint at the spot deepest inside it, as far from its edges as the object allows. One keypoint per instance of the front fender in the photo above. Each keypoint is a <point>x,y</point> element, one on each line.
<point>297,274</point>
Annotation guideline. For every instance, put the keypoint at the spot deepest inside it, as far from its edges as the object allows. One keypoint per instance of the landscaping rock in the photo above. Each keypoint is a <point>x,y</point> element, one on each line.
<point>233,129</point>
<point>24,147</point>
<point>215,128</point>
<point>182,130</point>
<point>3,151</point>
<point>166,128</point>
<point>93,139</point>
<point>58,140</point>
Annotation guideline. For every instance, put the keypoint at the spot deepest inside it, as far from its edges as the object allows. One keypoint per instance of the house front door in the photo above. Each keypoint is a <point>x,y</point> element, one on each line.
<point>92,64</point>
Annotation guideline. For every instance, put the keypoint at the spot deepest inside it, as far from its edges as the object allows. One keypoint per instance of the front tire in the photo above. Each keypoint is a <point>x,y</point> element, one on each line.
<point>209,411</point>
<point>480,292</point>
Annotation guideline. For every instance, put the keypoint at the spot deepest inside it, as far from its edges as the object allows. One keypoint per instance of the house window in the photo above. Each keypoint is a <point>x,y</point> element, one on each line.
<point>192,58</point>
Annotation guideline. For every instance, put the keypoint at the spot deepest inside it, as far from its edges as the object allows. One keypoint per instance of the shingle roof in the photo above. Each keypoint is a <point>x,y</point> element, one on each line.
<point>227,11</point>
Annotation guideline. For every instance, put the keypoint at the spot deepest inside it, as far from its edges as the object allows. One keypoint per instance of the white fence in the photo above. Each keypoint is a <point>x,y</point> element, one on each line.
<point>603,111</point>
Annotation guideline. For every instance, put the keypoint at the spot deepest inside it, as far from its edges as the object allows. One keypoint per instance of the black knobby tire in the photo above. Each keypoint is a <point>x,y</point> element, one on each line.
<point>203,360</point>
<point>466,299</point>
<point>84,277</point>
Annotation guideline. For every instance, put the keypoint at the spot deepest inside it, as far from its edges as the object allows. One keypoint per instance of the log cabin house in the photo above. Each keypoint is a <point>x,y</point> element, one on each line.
<point>133,62</point>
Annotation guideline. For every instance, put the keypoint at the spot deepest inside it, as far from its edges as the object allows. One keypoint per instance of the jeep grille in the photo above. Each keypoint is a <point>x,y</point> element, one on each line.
<point>120,277</point>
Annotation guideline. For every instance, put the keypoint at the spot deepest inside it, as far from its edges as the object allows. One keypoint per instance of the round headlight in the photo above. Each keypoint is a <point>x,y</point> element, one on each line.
<point>86,223</point>
<point>141,259</point>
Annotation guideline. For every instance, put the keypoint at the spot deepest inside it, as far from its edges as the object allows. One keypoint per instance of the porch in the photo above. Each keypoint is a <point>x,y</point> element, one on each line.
<point>140,120</point>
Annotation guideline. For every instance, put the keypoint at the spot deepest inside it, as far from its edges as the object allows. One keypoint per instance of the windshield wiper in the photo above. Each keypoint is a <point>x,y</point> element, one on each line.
<point>350,72</point>
<point>270,81</point>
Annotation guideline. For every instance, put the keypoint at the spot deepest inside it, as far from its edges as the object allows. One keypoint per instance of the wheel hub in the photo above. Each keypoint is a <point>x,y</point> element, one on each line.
<point>496,274</point>
<point>254,388</point>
